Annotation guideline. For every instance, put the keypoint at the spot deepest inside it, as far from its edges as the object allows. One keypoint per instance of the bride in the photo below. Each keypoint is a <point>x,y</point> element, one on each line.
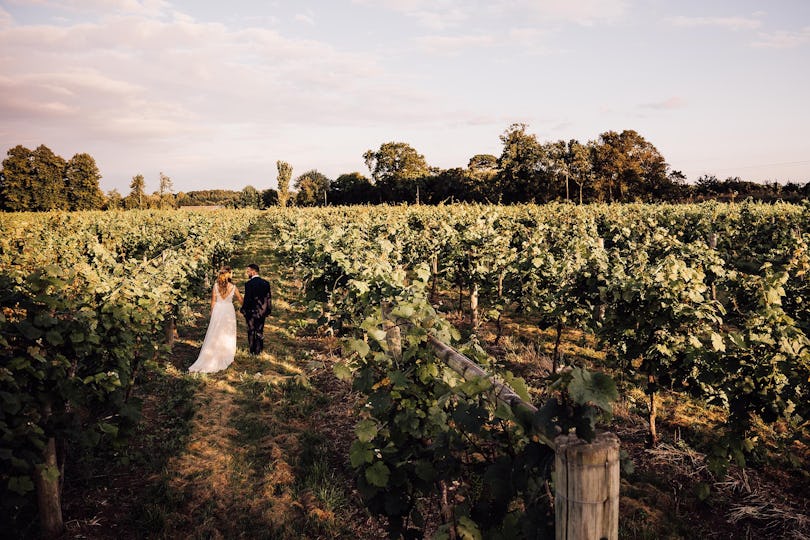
<point>219,346</point>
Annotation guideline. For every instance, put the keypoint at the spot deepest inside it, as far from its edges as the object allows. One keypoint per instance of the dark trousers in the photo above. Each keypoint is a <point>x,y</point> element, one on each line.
<point>255,334</point>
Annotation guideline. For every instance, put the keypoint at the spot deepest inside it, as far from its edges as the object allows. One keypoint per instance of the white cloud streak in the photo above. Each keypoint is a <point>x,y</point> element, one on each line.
<point>446,14</point>
<point>782,39</point>
<point>136,75</point>
<point>729,23</point>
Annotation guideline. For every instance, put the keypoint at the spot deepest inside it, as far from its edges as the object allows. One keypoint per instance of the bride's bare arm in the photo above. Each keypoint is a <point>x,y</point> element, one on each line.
<point>213,297</point>
<point>238,294</point>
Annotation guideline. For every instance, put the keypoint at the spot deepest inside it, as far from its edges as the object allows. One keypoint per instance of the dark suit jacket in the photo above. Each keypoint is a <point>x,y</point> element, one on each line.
<point>257,303</point>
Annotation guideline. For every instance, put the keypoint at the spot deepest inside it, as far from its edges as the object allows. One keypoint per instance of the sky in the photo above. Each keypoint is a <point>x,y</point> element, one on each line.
<point>212,94</point>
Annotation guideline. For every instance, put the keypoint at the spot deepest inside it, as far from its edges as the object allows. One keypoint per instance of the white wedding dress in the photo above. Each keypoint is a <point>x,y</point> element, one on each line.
<point>219,345</point>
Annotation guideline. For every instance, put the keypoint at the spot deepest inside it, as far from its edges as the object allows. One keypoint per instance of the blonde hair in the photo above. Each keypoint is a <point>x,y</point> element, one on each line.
<point>224,280</point>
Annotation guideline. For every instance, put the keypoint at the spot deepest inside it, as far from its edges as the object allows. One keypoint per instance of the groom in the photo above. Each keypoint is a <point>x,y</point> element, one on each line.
<point>256,307</point>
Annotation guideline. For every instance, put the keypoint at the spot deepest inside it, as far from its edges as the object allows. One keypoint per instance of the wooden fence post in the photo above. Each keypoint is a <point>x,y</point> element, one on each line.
<point>586,485</point>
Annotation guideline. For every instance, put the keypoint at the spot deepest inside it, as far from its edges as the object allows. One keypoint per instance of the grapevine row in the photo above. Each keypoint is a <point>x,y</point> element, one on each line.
<point>86,300</point>
<point>704,299</point>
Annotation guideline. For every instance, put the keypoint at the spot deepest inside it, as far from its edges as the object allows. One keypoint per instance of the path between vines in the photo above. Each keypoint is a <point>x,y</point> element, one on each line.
<point>266,451</point>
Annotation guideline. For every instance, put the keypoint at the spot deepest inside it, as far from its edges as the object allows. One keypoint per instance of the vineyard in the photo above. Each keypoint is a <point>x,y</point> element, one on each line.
<point>683,329</point>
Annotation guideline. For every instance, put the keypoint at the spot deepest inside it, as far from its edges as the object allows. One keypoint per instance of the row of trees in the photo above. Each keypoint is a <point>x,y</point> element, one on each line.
<point>617,166</point>
<point>40,180</point>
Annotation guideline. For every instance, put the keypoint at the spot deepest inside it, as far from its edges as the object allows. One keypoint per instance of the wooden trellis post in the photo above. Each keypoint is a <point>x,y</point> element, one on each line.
<point>586,485</point>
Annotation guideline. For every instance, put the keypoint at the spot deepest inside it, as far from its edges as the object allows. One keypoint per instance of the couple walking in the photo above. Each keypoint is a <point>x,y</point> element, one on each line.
<point>219,345</point>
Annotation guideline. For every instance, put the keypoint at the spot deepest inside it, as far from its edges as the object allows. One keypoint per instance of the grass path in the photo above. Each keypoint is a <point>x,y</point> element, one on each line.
<point>265,452</point>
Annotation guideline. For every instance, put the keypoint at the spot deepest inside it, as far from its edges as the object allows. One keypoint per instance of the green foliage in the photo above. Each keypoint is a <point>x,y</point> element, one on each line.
<point>423,426</point>
<point>16,180</point>
<point>723,320</point>
<point>82,183</point>
<point>39,180</point>
<point>48,183</point>
<point>312,188</point>
<point>283,182</point>
<point>83,309</point>
<point>137,194</point>
<point>395,167</point>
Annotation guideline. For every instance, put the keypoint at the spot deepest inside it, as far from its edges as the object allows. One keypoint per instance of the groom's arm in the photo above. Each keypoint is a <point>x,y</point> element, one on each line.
<point>247,303</point>
<point>266,305</point>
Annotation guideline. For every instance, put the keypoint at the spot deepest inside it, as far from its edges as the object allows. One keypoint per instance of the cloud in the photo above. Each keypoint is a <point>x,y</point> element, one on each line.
<point>149,8</point>
<point>432,14</point>
<point>527,40</point>
<point>674,102</point>
<point>446,14</point>
<point>6,20</point>
<point>452,45</point>
<point>729,23</point>
<point>581,12</point>
<point>782,39</point>
<point>306,18</point>
<point>165,85</point>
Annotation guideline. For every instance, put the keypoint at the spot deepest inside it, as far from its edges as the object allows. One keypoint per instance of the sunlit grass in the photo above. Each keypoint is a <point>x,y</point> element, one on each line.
<point>243,470</point>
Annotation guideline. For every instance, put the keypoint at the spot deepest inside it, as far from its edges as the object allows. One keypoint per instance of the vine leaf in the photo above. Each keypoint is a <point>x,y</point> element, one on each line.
<point>597,388</point>
<point>360,453</point>
<point>366,430</point>
<point>377,474</point>
<point>342,371</point>
<point>359,346</point>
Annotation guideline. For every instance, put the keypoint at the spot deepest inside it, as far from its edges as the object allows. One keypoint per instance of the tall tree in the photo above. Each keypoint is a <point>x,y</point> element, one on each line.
<point>394,168</point>
<point>570,162</point>
<point>523,165</point>
<point>481,179</point>
<point>137,194</point>
<point>165,189</point>
<point>558,160</point>
<point>284,175</point>
<point>16,180</point>
<point>82,183</point>
<point>48,189</point>
<point>580,164</point>
<point>312,188</point>
<point>628,166</point>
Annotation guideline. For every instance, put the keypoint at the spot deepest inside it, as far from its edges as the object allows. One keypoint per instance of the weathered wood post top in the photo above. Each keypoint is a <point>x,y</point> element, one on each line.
<point>586,485</point>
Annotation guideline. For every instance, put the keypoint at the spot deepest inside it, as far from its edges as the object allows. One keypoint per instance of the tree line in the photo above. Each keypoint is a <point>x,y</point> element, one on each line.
<point>616,167</point>
<point>39,180</point>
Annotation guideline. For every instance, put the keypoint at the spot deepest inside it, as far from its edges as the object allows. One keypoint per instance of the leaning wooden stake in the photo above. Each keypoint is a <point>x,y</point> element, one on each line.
<point>586,481</point>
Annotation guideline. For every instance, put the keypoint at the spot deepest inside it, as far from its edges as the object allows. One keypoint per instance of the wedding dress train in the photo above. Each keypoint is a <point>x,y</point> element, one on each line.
<point>219,345</point>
